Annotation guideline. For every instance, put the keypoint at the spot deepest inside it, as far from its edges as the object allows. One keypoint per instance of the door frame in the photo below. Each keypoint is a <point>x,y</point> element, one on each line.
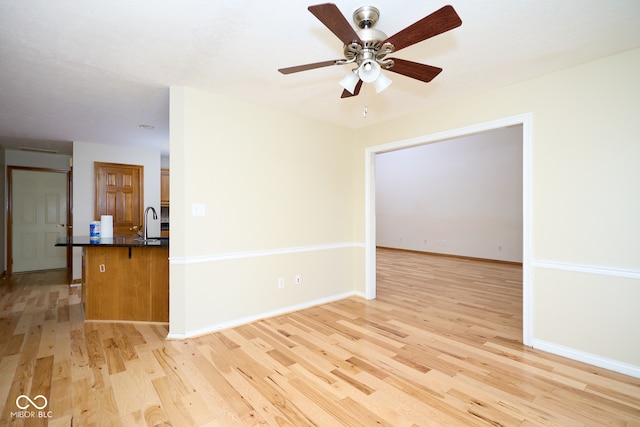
<point>68,207</point>
<point>526,120</point>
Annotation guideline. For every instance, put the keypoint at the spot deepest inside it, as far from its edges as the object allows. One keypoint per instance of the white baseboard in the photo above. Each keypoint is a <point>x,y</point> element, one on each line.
<point>250,319</point>
<point>580,356</point>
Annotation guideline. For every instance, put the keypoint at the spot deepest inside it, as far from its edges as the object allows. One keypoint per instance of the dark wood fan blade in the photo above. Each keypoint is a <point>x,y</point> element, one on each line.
<point>356,91</point>
<point>306,67</point>
<point>440,21</point>
<point>333,19</point>
<point>423,72</point>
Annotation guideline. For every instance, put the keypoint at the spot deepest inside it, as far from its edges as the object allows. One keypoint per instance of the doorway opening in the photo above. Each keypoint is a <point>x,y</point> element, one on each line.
<point>525,121</point>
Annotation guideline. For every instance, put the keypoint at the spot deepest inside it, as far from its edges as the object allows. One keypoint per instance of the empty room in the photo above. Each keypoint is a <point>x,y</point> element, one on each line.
<point>201,228</point>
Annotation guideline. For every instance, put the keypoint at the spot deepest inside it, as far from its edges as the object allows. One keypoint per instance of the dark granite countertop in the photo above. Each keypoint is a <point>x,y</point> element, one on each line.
<point>122,241</point>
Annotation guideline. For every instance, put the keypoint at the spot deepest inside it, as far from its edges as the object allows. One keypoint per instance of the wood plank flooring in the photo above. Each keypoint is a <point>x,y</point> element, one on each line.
<point>440,346</point>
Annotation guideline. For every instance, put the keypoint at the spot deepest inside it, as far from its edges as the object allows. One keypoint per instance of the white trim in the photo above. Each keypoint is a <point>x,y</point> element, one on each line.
<point>592,359</point>
<point>251,319</point>
<point>527,228</point>
<point>370,223</point>
<point>254,254</point>
<point>590,269</point>
<point>526,120</point>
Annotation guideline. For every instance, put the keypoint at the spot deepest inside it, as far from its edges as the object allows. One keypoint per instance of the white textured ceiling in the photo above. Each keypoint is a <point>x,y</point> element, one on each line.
<point>95,70</point>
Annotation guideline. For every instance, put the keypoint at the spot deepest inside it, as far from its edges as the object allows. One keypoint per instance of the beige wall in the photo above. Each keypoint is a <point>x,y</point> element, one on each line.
<point>585,201</point>
<point>286,195</point>
<point>278,196</point>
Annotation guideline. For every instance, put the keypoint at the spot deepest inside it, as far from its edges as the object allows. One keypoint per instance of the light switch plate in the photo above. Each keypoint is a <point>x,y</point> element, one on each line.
<point>197,209</point>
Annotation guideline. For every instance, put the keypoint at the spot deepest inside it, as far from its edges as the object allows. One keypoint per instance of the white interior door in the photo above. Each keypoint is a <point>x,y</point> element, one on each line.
<point>39,214</point>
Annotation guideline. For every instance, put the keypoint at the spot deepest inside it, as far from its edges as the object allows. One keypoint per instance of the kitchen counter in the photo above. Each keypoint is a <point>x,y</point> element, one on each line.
<point>124,241</point>
<point>124,278</point>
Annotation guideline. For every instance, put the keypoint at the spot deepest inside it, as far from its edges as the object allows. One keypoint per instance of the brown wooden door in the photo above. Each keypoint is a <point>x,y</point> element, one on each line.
<point>119,193</point>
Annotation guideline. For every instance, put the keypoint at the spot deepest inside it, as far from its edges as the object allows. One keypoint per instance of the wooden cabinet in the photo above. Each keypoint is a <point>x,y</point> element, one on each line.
<point>159,284</point>
<point>122,283</point>
<point>164,187</point>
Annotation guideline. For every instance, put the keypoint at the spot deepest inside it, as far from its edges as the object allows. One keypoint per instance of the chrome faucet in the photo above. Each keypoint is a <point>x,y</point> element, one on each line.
<point>155,216</point>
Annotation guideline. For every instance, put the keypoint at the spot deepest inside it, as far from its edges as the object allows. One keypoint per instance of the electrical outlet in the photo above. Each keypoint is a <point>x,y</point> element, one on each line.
<point>281,283</point>
<point>298,279</point>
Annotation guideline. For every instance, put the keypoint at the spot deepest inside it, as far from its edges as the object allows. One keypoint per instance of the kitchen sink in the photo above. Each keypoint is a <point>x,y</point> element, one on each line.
<point>152,240</point>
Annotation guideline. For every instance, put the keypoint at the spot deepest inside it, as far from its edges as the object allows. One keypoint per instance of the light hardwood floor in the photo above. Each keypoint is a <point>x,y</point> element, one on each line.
<point>441,345</point>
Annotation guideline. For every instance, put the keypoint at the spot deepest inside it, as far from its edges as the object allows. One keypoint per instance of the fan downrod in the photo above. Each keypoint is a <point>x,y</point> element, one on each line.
<point>366,17</point>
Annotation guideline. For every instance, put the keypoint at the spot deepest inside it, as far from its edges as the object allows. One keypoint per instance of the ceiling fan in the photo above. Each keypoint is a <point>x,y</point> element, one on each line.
<point>368,47</point>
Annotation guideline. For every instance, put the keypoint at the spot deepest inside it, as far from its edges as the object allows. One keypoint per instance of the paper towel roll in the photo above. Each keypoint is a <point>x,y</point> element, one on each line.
<point>106,226</point>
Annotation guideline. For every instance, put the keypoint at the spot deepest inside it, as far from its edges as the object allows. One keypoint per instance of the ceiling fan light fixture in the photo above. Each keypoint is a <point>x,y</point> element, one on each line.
<point>369,71</point>
<point>350,81</point>
<point>382,83</point>
<point>368,47</point>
